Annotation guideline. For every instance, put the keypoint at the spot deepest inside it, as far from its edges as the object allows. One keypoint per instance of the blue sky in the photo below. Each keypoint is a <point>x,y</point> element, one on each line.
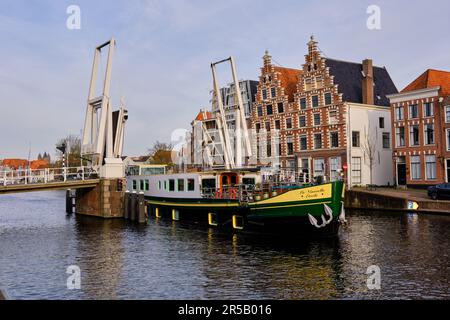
<point>164,49</point>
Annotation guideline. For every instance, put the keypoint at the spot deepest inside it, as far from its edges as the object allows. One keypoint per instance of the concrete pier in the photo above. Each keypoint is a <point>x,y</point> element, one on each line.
<point>385,199</point>
<point>104,200</point>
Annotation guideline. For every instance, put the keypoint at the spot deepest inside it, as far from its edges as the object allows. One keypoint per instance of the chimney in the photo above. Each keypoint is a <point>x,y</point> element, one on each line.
<point>367,82</point>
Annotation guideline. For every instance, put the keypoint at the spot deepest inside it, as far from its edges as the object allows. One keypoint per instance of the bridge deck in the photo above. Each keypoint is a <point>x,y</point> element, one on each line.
<point>61,185</point>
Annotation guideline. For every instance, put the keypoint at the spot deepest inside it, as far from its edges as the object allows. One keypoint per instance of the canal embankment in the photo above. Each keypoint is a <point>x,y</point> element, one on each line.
<point>390,199</point>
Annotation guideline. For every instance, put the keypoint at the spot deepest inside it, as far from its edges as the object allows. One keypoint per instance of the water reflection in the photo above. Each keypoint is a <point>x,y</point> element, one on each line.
<point>175,260</point>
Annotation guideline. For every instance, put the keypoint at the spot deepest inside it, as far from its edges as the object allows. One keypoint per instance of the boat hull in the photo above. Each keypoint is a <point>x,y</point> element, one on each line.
<point>289,212</point>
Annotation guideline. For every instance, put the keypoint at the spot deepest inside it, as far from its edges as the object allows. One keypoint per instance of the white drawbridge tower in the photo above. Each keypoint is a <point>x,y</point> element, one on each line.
<point>103,133</point>
<point>232,156</point>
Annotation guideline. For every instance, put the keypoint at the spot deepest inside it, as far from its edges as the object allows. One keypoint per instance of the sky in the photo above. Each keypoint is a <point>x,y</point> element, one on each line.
<point>164,49</point>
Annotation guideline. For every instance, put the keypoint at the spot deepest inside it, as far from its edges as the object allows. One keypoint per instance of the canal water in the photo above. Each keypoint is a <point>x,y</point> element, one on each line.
<point>166,260</point>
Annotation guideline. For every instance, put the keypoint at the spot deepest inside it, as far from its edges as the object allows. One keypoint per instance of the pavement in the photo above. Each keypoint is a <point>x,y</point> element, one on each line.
<point>410,194</point>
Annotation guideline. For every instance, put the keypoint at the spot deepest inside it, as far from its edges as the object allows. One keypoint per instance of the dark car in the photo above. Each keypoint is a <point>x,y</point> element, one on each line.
<point>440,191</point>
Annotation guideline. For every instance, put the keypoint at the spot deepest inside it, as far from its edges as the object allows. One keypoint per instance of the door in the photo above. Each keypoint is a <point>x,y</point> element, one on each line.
<point>401,174</point>
<point>448,170</point>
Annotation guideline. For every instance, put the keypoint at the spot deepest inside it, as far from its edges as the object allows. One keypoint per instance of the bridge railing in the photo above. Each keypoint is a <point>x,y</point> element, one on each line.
<point>47,175</point>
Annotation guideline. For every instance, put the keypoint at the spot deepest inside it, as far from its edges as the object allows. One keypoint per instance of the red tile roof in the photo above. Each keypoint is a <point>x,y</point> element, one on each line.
<point>23,164</point>
<point>203,115</point>
<point>431,78</point>
<point>289,78</point>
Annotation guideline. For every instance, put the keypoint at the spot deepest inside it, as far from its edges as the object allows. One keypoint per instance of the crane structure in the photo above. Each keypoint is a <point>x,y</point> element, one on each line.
<point>104,130</point>
<point>232,156</point>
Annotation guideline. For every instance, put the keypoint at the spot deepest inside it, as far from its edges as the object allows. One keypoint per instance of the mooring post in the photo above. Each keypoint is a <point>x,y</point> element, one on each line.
<point>126,200</point>
<point>141,204</point>
<point>3,294</point>
<point>69,202</point>
<point>133,206</point>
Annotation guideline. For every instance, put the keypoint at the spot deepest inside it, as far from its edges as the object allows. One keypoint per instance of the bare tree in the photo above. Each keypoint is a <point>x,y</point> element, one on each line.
<point>161,153</point>
<point>73,150</point>
<point>369,147</point>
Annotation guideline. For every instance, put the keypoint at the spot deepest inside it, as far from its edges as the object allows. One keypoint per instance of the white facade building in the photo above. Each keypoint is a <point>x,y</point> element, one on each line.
<point>369,140</point>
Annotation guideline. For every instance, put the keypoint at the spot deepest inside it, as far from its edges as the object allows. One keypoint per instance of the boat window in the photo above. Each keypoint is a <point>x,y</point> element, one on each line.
<point>248,181</point>
<point>134,184</point>
<point>180,185</point>
<point>147,185</point>
<point>171,185</point>
<point>191,185</point>
<point>141,185</point>
<point>159,185</point>
<point>165,184</point>
<point>208,184</point>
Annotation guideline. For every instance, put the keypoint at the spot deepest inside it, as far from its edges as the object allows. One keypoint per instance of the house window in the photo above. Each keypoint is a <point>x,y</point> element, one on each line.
<point>303,104</point>
<point>317,119</point>
<point>146,185</point>
<point>277,124</point>
<point>356,170</point>
<point>333,116</point>
<point>260,113</point>
<point>399,114</point>
<point>355,139</point>
<point>273,92</point>
<point>258,127</point>
<point>430,167</point>
<point>318,141</point>
<point>134,185</point>
<point>141,185</point>
<point>267,126</point>
<point>315,101</point>
<point>319,167</point>
<point>327,98</point>
<point>413,111</point>
<point>269,150</point>
<point>264,94</point>
<point>414,135</point>
<point>190,185</point>
<point>303,142</point>
<point>381,122</point>
<point>302,121</point>
<point>334,139</point>
<point>171,184</point>
<point>269,110</point>
<point>448,140</point>
<point>290,146</point>
<point>400,136</point>
<point>280,107</point>
<point>386,140</point>
<point>415,167</point>
<point>288,123</point>
<point>428,109</point>
<point>180,185</point>
<point>447,114</point>
<point>335,165</point>
<point>429,134</point>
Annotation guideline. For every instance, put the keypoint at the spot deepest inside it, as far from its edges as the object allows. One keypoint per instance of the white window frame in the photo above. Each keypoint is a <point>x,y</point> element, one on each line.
<point>353,164</point>
<point>411,167</point>
<point>397,137</point>
<point>409,111</point>
<point>425,135</point>
<point>447,111</point>
<point>401,113</point>
<point>335,165</point>
<point>426,167</point>
<point>412,135</point>
<point>322,160</point>
<point>424,109</point>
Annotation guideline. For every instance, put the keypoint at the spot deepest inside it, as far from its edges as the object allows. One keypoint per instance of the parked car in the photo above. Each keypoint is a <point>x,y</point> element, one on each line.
<point>440,191</point>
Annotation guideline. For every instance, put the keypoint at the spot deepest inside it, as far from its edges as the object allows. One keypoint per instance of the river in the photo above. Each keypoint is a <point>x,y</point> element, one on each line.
<point>173,260</point>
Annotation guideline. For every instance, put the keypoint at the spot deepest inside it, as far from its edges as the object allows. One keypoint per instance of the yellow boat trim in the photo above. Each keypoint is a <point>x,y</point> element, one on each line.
<point>176,204</point>
<point>305,194</point>
<point>291,205</point>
